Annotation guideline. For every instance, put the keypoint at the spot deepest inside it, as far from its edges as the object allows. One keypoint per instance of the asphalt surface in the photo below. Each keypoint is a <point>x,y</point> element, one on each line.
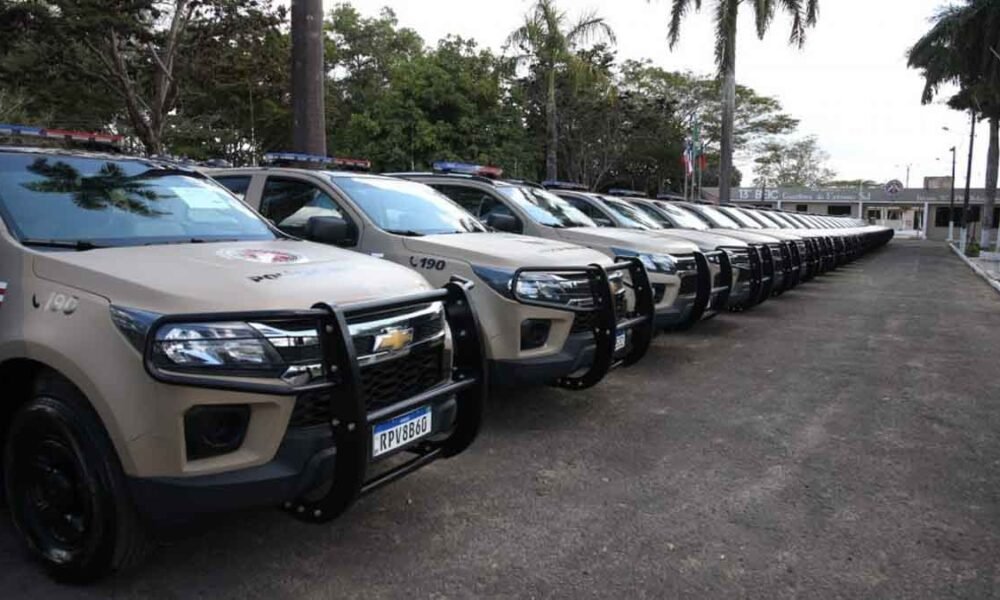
<point>842,441</point>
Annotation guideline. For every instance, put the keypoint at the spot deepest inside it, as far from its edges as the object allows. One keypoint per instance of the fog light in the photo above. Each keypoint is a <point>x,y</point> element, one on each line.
<point>215,430</point>
<point>534,333</point>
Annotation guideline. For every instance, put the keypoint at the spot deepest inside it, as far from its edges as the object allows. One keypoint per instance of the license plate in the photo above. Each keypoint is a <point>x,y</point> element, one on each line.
<point>620,340</point>
<point>397,432</point>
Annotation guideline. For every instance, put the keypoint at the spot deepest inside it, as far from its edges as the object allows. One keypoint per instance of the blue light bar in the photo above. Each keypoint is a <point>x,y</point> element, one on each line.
<point>351,164</point>
<point>299,157</point>
<point>444,166</point>
<point>627,193</point>
<point>554,184</point>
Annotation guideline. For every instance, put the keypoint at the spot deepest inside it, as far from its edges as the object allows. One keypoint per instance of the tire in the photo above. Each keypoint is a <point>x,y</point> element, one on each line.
<point>65,487</point>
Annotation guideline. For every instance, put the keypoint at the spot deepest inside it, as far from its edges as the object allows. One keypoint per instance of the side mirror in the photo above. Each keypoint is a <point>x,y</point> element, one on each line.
<point>603,222</point>
<point>330,230</point>
<point>502,222</point>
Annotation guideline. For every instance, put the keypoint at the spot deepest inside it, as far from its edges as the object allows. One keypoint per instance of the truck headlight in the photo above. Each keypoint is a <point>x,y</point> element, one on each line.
<point>288,350</point>
<point>566,289</point>
<point>235,345</point>
<point>654,263</point>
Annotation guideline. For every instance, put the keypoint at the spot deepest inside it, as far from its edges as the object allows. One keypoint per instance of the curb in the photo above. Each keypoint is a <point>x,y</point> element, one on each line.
<point>976,268</point>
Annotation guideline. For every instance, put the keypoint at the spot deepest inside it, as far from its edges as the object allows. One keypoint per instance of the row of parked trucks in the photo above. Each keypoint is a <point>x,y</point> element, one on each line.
<point>177,341</point>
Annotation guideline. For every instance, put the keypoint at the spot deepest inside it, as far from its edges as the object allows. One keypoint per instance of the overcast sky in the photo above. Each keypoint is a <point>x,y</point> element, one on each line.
<point>849,86</point>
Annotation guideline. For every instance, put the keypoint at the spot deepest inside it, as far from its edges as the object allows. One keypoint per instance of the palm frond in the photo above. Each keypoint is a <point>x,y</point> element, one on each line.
<point>677,13</point>
<point>763,11</point>
<point>590,27</point>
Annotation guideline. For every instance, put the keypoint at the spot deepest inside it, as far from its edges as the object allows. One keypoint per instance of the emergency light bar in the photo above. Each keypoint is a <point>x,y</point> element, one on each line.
<point>627,193</point>
<point>670,197</point>
<point>467,169</point>
<point>553,184</point>
<point>59,134</point>
<point>347,164</point>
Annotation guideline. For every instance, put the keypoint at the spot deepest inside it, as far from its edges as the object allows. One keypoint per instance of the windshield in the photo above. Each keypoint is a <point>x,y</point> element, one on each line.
<point>653,215</point>
<point>629,215</point>
<point>717,217</point>
<point>406,207</point>
<point>738,216</point>
<point>546,208</point>
<point>777,218</point>
<point>94,202</point>
<point>682,217</point>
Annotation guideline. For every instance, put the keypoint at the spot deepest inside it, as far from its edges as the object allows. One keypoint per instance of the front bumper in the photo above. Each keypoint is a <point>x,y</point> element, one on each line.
<point>306,460</point>
<point>321,468</point>
<point>577,354</point>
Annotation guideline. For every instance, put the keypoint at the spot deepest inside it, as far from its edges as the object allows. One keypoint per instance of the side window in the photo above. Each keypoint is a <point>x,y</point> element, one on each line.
<point>237,184</point>
<point>478,203</point>
<point>590,210</point>
<point>290,203</point>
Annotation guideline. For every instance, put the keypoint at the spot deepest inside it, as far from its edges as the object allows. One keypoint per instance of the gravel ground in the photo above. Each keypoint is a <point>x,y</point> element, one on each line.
<point>840,441</point>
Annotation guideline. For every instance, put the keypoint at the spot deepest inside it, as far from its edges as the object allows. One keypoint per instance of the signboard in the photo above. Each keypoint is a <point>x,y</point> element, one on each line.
<point>849,196</point>
<point>894,187</point>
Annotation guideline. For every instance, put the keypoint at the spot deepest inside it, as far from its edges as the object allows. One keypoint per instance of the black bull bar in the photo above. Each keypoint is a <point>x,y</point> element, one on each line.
<point>639,322</point>
<point>351,421</point>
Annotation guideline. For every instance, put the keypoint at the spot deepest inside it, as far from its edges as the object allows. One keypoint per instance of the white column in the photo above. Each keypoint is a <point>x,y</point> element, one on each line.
<point>927,215</point>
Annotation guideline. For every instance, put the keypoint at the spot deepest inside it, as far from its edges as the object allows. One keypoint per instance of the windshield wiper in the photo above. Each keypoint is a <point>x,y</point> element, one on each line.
<point>406,232</point>
<point>78,245</point>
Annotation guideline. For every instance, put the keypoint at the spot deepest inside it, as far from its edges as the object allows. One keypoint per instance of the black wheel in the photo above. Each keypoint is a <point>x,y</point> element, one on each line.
<point>65,487</point>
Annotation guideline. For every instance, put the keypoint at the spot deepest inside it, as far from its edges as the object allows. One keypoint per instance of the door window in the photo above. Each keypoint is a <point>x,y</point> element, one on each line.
<point>590,210</point>
<point>290,203</point>
<point>237,184</point>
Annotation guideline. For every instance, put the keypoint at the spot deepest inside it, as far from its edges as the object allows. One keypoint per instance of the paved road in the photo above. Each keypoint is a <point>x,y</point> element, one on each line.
<point>840,441</point>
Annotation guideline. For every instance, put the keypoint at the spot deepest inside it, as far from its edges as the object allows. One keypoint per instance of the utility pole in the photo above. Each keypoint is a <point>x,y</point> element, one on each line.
<point>308,78</point>
<point>968,182</point>
<point>951,205</point>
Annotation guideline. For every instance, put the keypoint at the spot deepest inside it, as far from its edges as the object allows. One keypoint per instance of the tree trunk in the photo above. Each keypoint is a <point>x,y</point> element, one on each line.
<point>728,116</point>
<point>992,162</point>
<point>308,117</point>
<point>551,152</point>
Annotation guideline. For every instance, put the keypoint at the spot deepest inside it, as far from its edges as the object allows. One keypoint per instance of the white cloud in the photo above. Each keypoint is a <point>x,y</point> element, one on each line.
<point>849,85</point>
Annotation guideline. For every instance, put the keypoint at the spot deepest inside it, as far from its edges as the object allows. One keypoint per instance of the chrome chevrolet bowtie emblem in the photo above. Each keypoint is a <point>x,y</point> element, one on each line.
<point>392,339</point>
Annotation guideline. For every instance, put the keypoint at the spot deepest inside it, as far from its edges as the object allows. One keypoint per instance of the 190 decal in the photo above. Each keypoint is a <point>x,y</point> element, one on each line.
<point>431,264</point>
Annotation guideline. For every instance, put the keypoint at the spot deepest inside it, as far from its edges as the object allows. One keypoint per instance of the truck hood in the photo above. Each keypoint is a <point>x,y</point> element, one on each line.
<point>506,250</point>
<point>628,239</point>
<point>232,276</point>
<point>705,240</point>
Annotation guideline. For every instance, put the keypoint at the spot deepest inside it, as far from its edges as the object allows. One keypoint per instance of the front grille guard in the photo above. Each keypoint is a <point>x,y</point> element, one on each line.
<point>704,293</point>
<point>351,422</point>
<point>766,273</point>
<point>608,322</point>
<point>721,300</point>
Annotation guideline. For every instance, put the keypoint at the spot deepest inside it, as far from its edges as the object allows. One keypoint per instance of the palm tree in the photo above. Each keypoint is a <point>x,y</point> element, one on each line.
<point>546,40</point>
<point>803,14</point>
<point>963,48</point>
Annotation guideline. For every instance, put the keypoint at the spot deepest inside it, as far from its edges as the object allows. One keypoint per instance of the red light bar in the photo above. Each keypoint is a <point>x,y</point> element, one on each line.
<point>64,134</point>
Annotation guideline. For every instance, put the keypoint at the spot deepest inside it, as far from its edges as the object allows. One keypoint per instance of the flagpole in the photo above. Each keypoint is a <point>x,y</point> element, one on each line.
<point>701,167</point>
<point>684,164</point>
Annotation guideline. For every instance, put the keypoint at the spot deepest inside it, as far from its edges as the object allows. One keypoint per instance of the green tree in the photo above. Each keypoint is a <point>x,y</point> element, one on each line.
<point>803,14</point>
<point>546,40</point>
<point>795,163</point>
<point>961,48</point>
<point>101,61</point>
<point>236,103</point>
<point>699,98</point>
